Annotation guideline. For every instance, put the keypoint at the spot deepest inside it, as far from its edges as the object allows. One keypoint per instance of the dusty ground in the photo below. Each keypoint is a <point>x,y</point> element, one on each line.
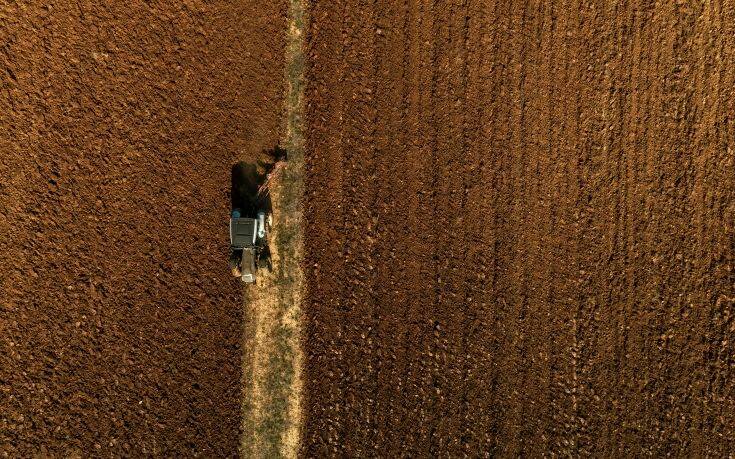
<point>273,358</point>
<point>120,327</point>
<point>520,233</point>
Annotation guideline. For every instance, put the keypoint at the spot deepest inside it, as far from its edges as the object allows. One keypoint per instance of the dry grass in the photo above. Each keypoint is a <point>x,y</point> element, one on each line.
<point>273,357</point>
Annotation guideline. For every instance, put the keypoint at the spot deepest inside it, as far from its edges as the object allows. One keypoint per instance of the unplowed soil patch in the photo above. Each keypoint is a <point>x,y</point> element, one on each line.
<point>120,325</point>
<point>520,228</point>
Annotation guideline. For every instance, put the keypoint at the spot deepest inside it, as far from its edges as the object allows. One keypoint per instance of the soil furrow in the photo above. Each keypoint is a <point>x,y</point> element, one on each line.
<point>553,255</point>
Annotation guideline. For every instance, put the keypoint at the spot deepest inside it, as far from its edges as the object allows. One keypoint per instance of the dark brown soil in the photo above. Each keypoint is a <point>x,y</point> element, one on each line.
<point>520,229</point>
<point>120,326</point>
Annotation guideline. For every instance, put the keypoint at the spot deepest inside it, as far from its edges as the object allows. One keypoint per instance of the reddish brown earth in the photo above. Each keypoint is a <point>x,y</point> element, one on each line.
<point>520,229</point>
<point>120,326</point>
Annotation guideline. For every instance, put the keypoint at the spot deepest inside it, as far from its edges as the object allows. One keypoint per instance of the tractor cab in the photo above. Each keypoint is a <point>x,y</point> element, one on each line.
<point>245,232</point>
<point>247,244</point>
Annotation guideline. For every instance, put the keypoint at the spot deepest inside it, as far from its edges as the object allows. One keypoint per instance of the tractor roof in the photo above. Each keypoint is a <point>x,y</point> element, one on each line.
<point>243,232</point>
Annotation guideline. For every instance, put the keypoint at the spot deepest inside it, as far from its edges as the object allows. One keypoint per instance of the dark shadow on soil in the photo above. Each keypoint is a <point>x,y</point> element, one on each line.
<point>248,179</point>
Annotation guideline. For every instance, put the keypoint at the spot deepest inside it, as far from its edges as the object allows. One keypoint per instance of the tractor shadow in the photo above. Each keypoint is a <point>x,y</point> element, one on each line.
<point>249,191</point>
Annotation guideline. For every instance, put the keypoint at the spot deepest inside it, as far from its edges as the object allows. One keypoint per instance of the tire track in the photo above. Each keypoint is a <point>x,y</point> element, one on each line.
<point>389,303</point>
<point>324,209</point>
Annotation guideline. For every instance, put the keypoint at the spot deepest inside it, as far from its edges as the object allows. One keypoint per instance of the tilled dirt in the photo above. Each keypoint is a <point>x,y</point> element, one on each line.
<point>520,232</point>
<point>120,325</point>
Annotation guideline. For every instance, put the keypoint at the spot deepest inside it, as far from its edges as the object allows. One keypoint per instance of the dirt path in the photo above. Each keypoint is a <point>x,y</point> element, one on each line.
<point>120,326</point>
<point>520,228</point>
<point>273,358</point>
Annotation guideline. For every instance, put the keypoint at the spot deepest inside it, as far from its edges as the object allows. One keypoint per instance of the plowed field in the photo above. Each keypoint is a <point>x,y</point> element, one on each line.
<point>520,228</point>
<point>120,325</point>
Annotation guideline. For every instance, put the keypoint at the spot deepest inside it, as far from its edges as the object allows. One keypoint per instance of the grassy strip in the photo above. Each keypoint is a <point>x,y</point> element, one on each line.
<point>271,405</point>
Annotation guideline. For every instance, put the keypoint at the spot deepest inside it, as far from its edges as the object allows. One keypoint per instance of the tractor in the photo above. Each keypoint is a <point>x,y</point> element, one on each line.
<point>248,244</point>
<point>250,217</point>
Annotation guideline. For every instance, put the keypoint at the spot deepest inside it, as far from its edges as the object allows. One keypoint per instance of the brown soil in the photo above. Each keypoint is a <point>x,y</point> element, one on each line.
<point>120,326</point>
<point>520,228</point>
